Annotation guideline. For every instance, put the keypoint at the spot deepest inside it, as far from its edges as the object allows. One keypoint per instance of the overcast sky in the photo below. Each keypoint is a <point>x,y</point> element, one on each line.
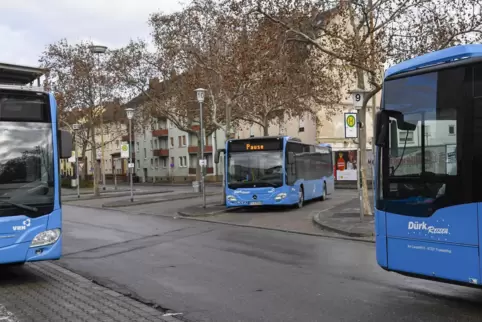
<point>27,26</point>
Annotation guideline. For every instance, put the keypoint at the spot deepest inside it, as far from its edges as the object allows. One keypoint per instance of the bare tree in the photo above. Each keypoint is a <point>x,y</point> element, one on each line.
<point>76,80</point>
<point>161,92</point>
<point>365,35</point>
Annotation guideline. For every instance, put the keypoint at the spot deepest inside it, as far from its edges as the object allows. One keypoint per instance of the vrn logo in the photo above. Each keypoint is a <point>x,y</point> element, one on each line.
<point>26,223</point>
<point>415,225</point>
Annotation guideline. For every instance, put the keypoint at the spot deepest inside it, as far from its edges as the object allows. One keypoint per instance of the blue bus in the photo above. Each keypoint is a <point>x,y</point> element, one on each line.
<point>280,170</point>
<point>428,167</point>
<point>30,147</point>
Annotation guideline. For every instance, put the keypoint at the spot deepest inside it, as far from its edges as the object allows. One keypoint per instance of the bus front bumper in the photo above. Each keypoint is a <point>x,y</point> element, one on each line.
<point>231,202</point>
<point>22,252</point>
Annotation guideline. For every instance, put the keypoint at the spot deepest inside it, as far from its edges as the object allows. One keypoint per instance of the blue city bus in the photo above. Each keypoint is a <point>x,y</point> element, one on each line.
<point>276,171</point>
<point>428,167</point>
<point>30,147</point>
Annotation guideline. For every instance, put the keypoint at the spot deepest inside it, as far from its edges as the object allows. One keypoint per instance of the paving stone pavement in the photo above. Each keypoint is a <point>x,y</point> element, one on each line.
<point>46,292</point>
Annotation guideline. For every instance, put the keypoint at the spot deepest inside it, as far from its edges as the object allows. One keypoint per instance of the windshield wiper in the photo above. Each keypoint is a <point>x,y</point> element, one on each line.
<point>19,205</point>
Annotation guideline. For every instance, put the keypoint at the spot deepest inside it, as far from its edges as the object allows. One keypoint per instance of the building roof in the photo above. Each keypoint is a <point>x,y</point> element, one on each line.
<point>19,75</point>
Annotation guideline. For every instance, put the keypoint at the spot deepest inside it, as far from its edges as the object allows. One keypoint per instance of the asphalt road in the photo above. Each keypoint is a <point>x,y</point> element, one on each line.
<point>214,272</point>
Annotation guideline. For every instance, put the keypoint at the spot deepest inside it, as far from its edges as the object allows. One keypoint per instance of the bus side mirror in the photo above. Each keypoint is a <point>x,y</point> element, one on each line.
<point>291,158</point>
<point>382,123</point>
<point>65,144</point>
<point>216,155</point>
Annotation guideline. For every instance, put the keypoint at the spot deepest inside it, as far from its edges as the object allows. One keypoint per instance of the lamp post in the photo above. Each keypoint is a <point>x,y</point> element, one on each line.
<point>76,127</point>
<point>130,115</point>
<point>99,50</point>
<point>200,92</point>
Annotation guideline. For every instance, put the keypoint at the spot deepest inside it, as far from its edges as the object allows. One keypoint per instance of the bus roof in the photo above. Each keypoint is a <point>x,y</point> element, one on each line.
<point>20,75</point>
<point>437,57</point>
<point>268,137</point>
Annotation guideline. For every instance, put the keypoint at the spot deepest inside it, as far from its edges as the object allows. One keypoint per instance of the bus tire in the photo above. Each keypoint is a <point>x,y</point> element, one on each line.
<point>323,195</point>
<point>301,198</point>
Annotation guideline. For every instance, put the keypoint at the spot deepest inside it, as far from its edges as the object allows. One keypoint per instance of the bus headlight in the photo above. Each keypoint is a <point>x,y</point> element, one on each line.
<point>231,198</point>
<point>280,196</point>
<point>45,238</point>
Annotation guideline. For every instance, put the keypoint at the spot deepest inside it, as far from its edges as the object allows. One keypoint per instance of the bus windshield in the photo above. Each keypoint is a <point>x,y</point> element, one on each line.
<point>26,166</point>
<point>421,164</point>
<point>255,169</point>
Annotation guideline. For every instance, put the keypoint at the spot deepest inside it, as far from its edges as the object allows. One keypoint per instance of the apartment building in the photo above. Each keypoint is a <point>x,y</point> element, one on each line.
<point>165,153</point>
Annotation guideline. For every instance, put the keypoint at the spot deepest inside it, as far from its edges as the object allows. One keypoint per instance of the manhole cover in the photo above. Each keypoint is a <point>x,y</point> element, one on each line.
<point>346,215</point>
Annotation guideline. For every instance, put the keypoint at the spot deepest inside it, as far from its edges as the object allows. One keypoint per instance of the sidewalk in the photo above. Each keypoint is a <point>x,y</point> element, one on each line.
<point>199,211</point>
<point>47,292</point>
<point>126,202</point>
<point>345,220</point>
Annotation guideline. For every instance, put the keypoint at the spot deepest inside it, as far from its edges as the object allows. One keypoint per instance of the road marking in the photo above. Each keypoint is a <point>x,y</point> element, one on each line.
<point>6,316</point>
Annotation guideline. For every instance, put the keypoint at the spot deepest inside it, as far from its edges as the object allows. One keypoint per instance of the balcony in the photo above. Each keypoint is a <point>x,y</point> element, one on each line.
<point>195,128</point>
<point>194,149</point>
<point>160,133</point>
<point>161,152</point>
<point>125,138</point>
<point>192,170</point>
<point>209,170</point>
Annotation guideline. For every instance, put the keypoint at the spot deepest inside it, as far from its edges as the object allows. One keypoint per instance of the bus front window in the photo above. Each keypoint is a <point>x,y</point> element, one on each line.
<point>255,169</point>
<point>419,165</point>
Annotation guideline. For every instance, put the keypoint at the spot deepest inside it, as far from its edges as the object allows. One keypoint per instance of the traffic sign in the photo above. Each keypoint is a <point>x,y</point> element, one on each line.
<point>124,150</point>
<point>203,162</point>
<point>351,130</point>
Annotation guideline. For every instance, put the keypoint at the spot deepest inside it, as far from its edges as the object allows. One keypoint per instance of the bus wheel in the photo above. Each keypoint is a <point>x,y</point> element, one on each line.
<point>323,195</point>
<point>301,198</point>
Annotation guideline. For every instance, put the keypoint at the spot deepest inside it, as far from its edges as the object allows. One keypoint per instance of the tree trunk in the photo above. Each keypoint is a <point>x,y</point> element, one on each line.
<point>227,136</point>
<point>363,148</point>
<point>265,127</point>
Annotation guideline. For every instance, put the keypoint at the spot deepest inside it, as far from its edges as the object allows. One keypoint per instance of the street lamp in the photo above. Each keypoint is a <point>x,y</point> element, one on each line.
<point>99,50</point>
<point>200,92</point>
<point>130,115</point>
<point>76,127</point>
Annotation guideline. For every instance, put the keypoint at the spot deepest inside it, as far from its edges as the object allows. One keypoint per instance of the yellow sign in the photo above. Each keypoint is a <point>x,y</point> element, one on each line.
<point>254,147</point>
<point>350,120</point>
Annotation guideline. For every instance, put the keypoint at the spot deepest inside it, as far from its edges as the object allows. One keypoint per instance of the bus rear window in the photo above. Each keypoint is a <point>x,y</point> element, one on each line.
<point>16,106</point>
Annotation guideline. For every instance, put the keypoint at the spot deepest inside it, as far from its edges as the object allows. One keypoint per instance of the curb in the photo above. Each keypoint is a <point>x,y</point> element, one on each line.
<point>208,214</point>
<point>147,202</point>
<point>355,239</point>
<point>317,222</point>
<point>111,195</point>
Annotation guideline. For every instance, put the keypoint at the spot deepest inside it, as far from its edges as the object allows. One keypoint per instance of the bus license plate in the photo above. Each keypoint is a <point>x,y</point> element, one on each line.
<point>255,203</point>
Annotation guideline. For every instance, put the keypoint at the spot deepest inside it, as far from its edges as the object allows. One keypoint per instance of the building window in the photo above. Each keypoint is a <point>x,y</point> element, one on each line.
<point>157,163</point>
<point>137,146</point>
<point>185,161</point>
<point>156,143</point>
<point>180,140</point>
<point>138,164</point>
<point>184,140</point>
<point>181,164</point>
<point>164,162</point>
<point>152,145</point>
<point>172,142</point>
<point>406,136</point>
<point>172,161</point>
<point>301,127</point>
<point>145,153</point>
<point>117,143</point>
<point>451,129</point>
<point>152,163</point>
